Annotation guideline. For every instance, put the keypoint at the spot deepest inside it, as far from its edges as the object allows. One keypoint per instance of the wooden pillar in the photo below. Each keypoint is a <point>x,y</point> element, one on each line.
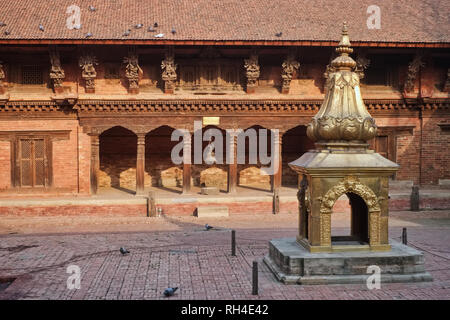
<point>232,167</point>
<point>140,164</point>
<point>95,162</point>
<point>187,163</point>
<point>276,178</point>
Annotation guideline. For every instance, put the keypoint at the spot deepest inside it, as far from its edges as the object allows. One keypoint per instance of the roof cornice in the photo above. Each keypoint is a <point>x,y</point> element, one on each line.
<point>307,43</point>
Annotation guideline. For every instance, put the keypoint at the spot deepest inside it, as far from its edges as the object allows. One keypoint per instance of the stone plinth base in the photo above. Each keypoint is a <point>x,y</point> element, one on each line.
<point>293,264</point>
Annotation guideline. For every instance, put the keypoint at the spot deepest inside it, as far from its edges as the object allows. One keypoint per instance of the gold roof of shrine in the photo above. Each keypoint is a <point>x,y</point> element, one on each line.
<point>343,119</point>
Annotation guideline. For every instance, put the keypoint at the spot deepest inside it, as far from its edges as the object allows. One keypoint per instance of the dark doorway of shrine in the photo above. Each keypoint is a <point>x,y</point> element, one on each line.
<point>160,171</point>
<point>118,149</point>
<point>350,221</point>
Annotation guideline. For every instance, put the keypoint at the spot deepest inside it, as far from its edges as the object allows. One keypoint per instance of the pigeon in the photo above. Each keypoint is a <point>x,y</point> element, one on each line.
<point>92,8</point>
<point>155,25</point>
<point>173,31</point>
<point>208,227</point>
<point>279,34</point>
<point>41,27</point>
<point>88,35</point>
<point>127,33</point>
<point>159,35</point>
<point>170,291</point>
<point>7,32</point>
<point>2,24</point>
<point>124,251</point>
<point>139,25</point>
<point>151,29</point>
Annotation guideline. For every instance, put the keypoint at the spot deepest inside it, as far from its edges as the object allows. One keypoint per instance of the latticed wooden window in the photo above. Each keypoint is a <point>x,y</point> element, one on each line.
<point>32,162</point>
<point>32,74</point>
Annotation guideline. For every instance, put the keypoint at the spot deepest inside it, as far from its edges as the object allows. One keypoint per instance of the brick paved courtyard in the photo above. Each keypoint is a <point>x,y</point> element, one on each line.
<point>178,252</point>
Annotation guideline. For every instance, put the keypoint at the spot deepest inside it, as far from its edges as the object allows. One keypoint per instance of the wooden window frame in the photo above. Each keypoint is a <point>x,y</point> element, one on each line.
<point>49,137</point>
<point>39,68</point>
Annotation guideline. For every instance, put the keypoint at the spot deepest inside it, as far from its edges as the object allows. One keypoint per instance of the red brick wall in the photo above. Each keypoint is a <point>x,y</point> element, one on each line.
<point>435,151</point>
<point>408,147</point>
<point>70,157</point>
<point>5,164</point>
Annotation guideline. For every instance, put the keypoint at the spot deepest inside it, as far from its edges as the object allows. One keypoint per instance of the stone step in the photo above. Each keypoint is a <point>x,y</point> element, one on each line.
<point>209,191</point>
<point>212,212</point>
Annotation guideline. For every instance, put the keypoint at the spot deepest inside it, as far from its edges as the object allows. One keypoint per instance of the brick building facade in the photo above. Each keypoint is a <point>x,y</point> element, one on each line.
<point>80,112</point>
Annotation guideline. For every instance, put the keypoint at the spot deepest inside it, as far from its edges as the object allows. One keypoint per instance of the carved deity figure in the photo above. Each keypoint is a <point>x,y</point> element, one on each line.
<point>362,63</point>
<point>2,77</point>
<point>2,72</point>
<point>132,70</point>
<point>288,67</point>
<point>252,69</point>
<point>87,64</point>
<point>169,74</point>
<point>413,69</point>
<point>56,72</point>
<point>447,82</point>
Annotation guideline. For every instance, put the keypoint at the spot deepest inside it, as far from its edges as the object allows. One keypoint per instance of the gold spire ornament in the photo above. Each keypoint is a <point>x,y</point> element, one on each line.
<point>343,120</point>
<point>341,163</point>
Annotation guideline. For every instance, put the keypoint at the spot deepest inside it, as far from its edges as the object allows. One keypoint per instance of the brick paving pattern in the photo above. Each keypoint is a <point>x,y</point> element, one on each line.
<point>197,261</point>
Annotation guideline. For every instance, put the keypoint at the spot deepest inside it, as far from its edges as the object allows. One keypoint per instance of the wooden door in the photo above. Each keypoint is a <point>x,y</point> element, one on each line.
<point>32,162</point>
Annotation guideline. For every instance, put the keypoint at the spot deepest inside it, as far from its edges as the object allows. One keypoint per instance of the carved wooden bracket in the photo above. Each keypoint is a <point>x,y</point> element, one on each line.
<point>413,69</point>
<point>362,63</point>
<point>87,64</point>
<point>447,82</point>
<point>56,72</point>
<point>168,68</point>
<point>288,67</point>
<point>252,71</point>
<point>132,70</point>
<point>2,77</point>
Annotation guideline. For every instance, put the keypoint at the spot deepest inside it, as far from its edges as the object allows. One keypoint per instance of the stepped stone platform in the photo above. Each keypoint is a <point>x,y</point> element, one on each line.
<point>293,264</point>
<point>114,202</point>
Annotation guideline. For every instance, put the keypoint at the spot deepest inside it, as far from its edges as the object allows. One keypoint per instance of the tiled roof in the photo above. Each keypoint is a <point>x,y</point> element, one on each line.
<point>424,21</point>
